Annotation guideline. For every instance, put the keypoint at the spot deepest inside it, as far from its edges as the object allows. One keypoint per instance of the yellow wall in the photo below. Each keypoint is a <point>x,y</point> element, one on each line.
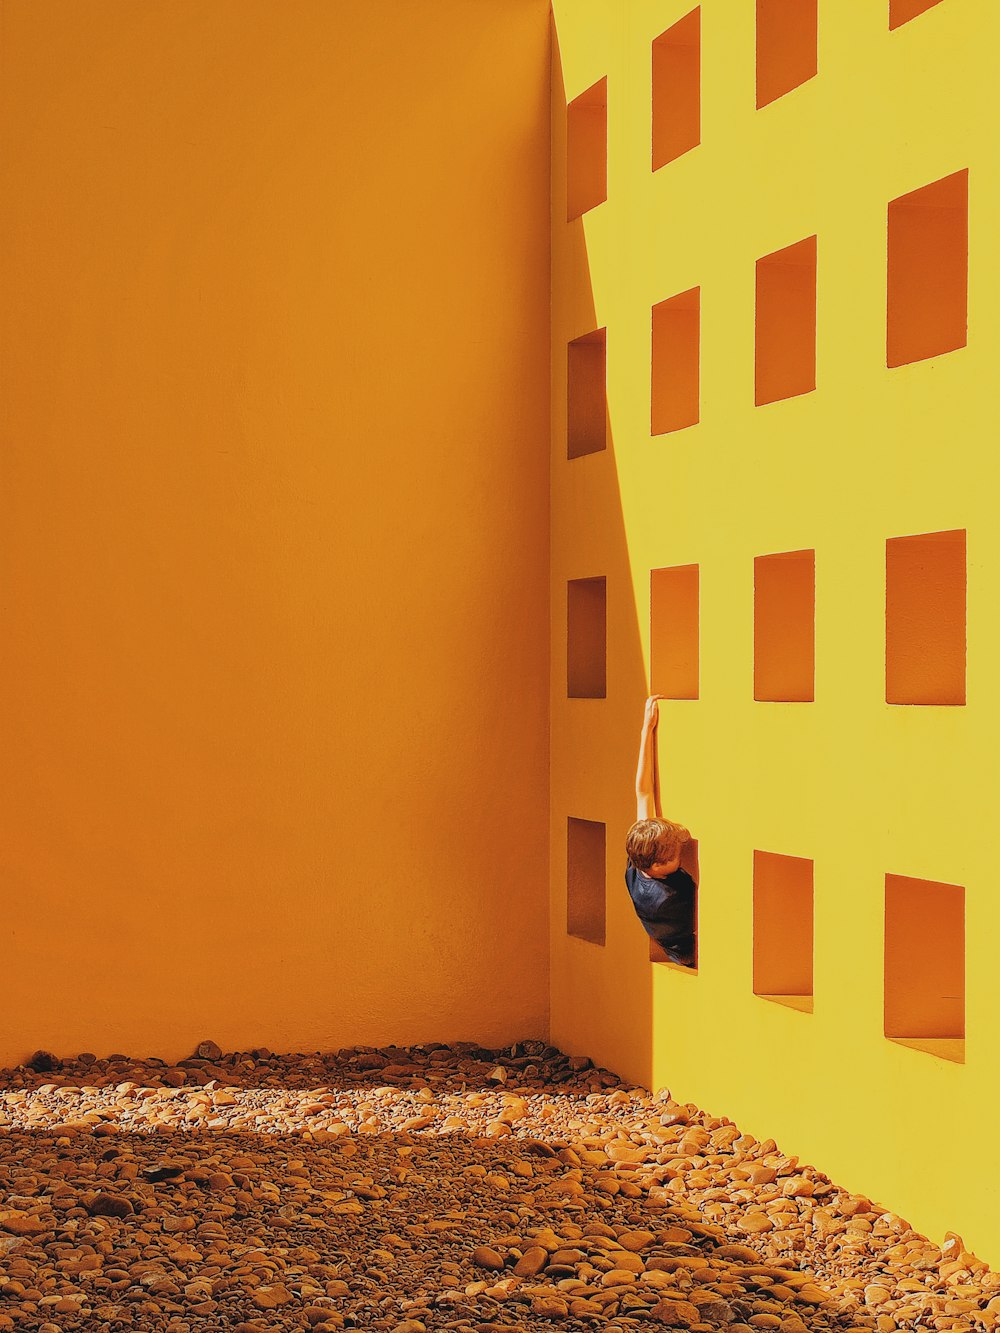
<point>273,522</point>
<point>860,787</point>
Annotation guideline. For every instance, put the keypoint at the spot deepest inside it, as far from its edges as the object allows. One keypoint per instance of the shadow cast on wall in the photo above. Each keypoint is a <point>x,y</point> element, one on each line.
<point>600,952</point>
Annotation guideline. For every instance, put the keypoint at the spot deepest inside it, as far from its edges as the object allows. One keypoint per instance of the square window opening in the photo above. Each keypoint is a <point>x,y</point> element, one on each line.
<point>677,90</point>
<point>783,929</point>
<point>925,615</point>
<point>674,362</point>
<point>784,627</point>
<point>586,395</point>
<point>657,954</point>
<point>586,639</point>
<point>587,150</point>
<point>785,323</point>
<point>586,879</point>
<point>925,965</point>
<point>901,11</point>
<point>673,631</point>
<point>927,274</point>
<point>786,47</point>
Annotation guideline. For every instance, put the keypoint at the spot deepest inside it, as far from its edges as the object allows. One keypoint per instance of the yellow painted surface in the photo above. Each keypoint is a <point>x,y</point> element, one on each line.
<point>860,787</point>
<point>273,523</point>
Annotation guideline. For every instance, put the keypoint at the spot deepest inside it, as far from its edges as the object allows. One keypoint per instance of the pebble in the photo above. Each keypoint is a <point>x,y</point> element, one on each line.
<point>109,1205</point>
<point>406,1190</point>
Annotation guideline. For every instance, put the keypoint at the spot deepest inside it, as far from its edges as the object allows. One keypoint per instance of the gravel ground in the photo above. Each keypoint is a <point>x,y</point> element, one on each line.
<point>432,1187</point>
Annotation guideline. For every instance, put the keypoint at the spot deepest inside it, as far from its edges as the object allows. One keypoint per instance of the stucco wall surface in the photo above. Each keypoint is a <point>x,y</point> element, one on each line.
<point>862,788</point>
<point>273,523</point>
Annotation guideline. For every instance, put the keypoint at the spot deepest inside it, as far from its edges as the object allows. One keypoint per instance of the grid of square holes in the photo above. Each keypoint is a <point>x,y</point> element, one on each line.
<point>925,574</point>
<point>926,239</point>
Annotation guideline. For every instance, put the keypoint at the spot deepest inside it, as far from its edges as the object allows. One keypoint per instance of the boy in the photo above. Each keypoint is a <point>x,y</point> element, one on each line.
<point>662,893</point>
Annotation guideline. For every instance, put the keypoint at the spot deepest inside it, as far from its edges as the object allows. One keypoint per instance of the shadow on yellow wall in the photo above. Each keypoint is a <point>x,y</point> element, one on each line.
<point>600,976</point>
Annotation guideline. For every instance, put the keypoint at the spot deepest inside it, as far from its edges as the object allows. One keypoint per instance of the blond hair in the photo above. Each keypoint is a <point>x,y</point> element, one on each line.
<point>654,841</point>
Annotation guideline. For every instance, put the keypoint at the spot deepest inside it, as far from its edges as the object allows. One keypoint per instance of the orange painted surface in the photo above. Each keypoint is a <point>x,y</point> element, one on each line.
<point>587,150</point>
<point>677,90</point>
<point>927,302</point>
<point>586,879</point>
<point>586,638</point>
<point>786,46</point>
<point>586,397</point>
<point>782,924</point>
<point>784,636</point>
<point>785,324</point>
<point>901,11</point>
<point>273,522</point>
<point>673,631</point>
<point>674,362</point>
<point>924,958</point>
<point>925,596</point>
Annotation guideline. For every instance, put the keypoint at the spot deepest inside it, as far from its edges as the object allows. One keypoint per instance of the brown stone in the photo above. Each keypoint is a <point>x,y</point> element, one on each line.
<point>483,1256</point>
<point>618,1277</point>
<point>23,1224</point>
<point>549,1307</point>
<point>741,1253</point>
<point>811,1294</point>
<point>319,1314</point>
<point>272,1297</point>
<point>531,1262</point>
<point>636,1240</point>
<point>675,1313</point>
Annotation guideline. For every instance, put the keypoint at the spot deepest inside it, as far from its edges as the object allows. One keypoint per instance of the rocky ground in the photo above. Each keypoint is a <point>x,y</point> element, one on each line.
<point>431,1188</point>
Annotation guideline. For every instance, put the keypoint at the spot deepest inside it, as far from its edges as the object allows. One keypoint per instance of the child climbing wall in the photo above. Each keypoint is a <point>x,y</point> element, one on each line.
<point>662,893</point>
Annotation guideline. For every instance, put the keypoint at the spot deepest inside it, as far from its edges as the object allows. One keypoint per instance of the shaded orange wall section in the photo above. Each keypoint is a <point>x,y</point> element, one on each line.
<point>924,987</point>
<point>782,924</point>
<point>785,326</point>
<point>784,626</point>
<point>786,46</point>
<point>274,524</point>
<point>673,631</point>
<point>587,149</point>
<point>925,631</point>
<point>674,363</point>
<point>927,289</point>
<point>676,84</point>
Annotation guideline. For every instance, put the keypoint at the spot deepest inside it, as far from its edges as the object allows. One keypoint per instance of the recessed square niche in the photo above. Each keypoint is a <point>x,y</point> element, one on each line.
<point>586,876</point>
<point>587,395</point>
<point>785,323</point>
<point>674,362</point>
<point>586,638</point>
<point>587,150</point>
<point>673,631</point>
<point>784,617</point>
<point>901,11</point>
<point>927,285</point>
<point>925,965</point>
<point>783,929</point>
<point>786,46</point>
<point>925,593</point>
<point>677,89</point>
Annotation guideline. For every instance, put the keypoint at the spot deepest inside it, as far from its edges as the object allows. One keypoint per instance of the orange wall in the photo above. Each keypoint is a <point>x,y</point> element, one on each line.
<point>273,523</point>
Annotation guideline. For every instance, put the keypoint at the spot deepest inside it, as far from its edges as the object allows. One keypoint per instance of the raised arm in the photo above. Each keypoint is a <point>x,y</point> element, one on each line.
<point>647,787</point>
